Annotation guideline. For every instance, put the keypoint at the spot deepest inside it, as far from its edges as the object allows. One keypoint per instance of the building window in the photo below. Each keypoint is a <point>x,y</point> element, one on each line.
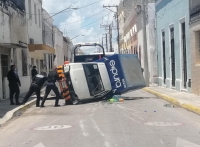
<point>35,14</point>
<point>29,8</point>
<point>39,17</point>
<point>24,63</point>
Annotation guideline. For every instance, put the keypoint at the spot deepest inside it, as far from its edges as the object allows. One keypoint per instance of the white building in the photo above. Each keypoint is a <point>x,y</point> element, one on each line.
<point>37,48</point>
<point>13,44</point>
<point>68,48</point>
<point>48,39</point>
<point>59,60</point>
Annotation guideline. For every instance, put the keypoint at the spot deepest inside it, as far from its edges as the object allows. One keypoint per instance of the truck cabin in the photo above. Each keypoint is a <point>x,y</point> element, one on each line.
<point>88,52</point>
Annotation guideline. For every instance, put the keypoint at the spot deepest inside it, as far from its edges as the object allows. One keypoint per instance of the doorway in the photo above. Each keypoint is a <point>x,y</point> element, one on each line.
<point>4,71</point>
<point>184,64</point>
<point>172,57</point>
<point>164,57</point>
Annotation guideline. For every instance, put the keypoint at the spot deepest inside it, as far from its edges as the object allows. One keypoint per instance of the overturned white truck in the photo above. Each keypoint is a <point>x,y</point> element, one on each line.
<point>101,78</point>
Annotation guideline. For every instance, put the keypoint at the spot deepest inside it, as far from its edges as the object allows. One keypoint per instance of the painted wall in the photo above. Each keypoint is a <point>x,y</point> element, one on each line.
<point>58,46</point>
<point>34,21</point>
<point>171,13</point>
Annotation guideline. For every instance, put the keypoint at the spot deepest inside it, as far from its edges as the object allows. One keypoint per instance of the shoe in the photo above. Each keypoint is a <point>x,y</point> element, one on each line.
<point>12,103</point>
<point>75,102</point>
<point>18,103</point>
<point>37,105</point>
<point>57,106</point>
<point>42,106</point>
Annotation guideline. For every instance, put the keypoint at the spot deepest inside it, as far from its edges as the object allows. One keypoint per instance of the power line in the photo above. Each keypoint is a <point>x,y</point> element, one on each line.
<point>81,19</point>
<point>66,8</point>
<point>87,24</point>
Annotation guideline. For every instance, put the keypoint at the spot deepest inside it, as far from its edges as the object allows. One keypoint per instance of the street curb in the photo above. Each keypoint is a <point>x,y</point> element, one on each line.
<point>17,111</point>
<point>189,107</point>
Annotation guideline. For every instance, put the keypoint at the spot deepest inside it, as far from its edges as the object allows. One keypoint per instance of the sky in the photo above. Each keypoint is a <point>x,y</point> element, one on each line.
<point>83,21</point>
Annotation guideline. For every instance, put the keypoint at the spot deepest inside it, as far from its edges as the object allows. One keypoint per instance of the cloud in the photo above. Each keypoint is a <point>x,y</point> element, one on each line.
<point>93,32</point>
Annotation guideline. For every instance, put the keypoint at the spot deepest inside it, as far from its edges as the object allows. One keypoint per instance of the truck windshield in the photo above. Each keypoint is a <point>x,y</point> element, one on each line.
<point>93,79</point>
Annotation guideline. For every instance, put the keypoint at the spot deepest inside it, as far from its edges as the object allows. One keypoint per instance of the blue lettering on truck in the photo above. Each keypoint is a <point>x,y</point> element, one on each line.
<point>114,71</point>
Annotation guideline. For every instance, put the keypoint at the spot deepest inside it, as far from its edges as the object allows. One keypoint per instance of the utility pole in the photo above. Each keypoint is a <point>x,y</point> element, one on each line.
<point>146,64</point>
<point>106,42</point>
<point>117,15</point>
<point>110,36</point>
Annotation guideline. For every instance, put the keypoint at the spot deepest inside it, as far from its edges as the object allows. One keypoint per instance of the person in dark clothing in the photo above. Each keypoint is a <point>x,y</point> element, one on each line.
<point>51,80</point>
<point>36,86</point>
<point>34,72</point>
<point>14,84</point>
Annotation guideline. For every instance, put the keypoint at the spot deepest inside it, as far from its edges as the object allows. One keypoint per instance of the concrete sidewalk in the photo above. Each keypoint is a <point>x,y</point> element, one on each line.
<point>185,100</point>
<point>7,111</point>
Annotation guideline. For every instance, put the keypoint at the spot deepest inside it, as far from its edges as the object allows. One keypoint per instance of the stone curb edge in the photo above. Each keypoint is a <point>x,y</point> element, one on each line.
<point>17,111</point>
<point>189,107</point>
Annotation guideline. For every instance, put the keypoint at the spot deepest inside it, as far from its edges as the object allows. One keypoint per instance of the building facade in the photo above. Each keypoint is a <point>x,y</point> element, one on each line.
<point>48,39</point>
<point>195,45</point>
<point>173,44</point>
<point>59,51</point>
<point>131,38</point>
<point>68,48</point>
<point>37,48</point>
<point>13,44</point>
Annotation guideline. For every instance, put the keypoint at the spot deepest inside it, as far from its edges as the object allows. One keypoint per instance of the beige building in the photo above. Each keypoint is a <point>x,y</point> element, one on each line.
<point>195,46</point>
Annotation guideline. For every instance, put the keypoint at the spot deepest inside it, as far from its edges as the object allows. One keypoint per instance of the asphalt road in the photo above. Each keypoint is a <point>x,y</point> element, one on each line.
<point>142,121</point>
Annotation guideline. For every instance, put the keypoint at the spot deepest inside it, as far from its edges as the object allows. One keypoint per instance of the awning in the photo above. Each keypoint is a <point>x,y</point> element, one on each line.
<point>33,47</point>
<point>12,45</point>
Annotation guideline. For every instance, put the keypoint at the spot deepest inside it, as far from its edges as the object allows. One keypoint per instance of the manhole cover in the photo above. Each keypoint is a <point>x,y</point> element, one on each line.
<point>169,105</point>
<point>163,124</point>
<point>54,127</point>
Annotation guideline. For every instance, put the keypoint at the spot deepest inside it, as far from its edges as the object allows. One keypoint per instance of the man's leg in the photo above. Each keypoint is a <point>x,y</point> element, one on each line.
<point>47,91</point>
<point>37,91</point>
<point>17,92</point>
<point>55,90</point>
<point>12,92</point>
<point>30,92</point>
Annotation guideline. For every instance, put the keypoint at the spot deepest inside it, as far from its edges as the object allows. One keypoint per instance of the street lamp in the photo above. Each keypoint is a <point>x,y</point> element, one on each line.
<point>71,7</point>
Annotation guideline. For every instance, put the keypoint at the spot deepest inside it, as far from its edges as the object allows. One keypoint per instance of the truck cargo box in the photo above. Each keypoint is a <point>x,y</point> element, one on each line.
<point>125,72</point>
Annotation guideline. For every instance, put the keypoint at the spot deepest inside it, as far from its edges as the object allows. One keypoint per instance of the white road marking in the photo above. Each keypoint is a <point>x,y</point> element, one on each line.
<point>83,129</point>
<point>135,121</point>
<point>131,118</point>
<point>183,143</point>
<point>93,110</point>
<point>53,127</point>
<point>39,145</point>
<point>161,141</point>
<point>123,108</point>
<point>107,144</point>
<point>96,127</point>
<point>163,124</point>
<point>129,109</point>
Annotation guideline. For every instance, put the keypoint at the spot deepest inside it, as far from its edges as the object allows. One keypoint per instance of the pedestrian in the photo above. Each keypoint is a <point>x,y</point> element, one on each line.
<point>35,86</point>
<point>51,80</point>
<point>34,72</point>
<point>14,83</point>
